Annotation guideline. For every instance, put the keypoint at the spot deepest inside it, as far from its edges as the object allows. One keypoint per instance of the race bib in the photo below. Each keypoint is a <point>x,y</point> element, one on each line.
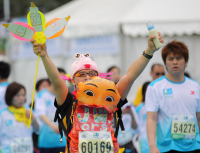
<point>95,142</point>
<point>22,145</point>
<point>183,127</point>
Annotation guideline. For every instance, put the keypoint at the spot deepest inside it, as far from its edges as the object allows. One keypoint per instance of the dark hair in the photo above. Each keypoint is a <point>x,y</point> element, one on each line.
<point>176,48</point>
<point>11,91</point>
<point>39,82</point>
<point>112,67</point>
<point>4,70</point>
<point>186,74</point>
<point>144,89</point>
<point>152,67</point>
<point>61,70</point>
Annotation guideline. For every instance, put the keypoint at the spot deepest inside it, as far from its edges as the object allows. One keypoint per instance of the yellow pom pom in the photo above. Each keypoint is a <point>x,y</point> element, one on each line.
<point>40,37</point>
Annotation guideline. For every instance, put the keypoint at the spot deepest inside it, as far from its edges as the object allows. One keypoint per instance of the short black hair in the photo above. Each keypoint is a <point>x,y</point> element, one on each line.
<point>39,82</point>
<point>152,67</point>
<point>144,89</point>
<point>112,67</point>
<point>187,74</point>
<point>4,70</point>
<point>61,70</point>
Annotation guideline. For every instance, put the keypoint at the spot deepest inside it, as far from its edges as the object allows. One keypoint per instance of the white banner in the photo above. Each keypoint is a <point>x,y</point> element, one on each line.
<point>23,50</point>
<point>18,50</point>
<point>94,45</point>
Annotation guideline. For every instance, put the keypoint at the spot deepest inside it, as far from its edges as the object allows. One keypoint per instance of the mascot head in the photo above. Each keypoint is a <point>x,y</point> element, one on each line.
<point>98,92</point>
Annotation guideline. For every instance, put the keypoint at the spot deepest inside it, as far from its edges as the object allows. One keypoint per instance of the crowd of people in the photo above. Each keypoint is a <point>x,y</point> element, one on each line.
<point>163,117</point>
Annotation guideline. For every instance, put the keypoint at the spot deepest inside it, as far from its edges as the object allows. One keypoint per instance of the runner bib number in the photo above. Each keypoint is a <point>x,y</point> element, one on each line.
<point>95,142</point>
<point>183,127</point>
<point>22,145</point>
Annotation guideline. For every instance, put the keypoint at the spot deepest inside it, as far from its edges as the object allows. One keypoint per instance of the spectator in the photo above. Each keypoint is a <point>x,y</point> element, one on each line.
<point>141,112</point>
<point>40,85</point>
<point>49,138</point>
<point>130,121</point>
<point>157,70</point>
<point>62,73</point>
<point>115,76</point>
<point>14,120</point>
<point>187,74</point>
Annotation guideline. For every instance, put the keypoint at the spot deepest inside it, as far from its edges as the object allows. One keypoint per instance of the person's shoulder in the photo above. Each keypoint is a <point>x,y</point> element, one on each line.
<point>157,81</point>
<point>42,93</point>
<point>139,107</point>
<point>3,111</point>
<point>70,98</point>
<point>191,81</point>
<point>4,84</point>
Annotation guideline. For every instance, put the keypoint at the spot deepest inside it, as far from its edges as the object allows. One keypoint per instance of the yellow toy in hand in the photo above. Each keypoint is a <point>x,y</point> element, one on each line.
<point>52,29</point>
<point>37,21</point>
<point>38,30</point>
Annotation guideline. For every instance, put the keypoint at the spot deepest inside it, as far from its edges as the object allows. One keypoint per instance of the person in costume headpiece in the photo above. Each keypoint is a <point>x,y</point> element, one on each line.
<point>79,119</point>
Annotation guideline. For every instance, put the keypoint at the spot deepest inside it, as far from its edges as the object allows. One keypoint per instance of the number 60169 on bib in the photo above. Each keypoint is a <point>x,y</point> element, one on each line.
<point>95,142</point>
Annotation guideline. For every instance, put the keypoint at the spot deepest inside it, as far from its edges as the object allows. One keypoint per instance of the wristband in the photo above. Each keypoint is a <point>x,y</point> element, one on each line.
<point>147,56</point>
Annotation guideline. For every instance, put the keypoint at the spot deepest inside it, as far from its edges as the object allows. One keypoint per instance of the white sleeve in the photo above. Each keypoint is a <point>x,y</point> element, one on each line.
<point>40,106</point>
<point>198,107</point>
<point>151,102</point>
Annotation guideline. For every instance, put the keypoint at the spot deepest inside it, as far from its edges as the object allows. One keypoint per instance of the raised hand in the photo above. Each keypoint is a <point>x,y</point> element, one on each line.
<point>151,47</point>
<point>39,48</point>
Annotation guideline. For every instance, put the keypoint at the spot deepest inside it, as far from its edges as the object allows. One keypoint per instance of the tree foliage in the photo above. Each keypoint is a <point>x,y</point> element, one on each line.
<point>19,8</point>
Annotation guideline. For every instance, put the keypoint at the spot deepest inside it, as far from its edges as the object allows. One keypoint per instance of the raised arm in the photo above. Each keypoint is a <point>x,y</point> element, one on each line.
<point>59,86</point>
<point>136,68</point>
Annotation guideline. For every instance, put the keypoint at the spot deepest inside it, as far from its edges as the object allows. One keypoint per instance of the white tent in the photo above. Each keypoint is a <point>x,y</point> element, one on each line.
<point>172,17</point>
<point>102,17</point>
<point>175,19</point>
<point>92,17</point>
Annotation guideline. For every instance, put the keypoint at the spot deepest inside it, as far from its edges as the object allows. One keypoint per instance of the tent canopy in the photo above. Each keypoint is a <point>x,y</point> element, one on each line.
<point>170,17</point>
<point>103,17</point>
<point>92,17</point>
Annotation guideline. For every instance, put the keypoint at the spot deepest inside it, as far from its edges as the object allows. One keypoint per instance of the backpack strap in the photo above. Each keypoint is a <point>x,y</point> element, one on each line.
<point>60,118</point>
<point>119,117</point>
<point>61,126</point>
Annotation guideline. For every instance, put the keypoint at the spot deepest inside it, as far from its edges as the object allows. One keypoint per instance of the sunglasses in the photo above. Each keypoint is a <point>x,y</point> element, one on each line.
<point>160,74</point>
<point>84,74</point>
